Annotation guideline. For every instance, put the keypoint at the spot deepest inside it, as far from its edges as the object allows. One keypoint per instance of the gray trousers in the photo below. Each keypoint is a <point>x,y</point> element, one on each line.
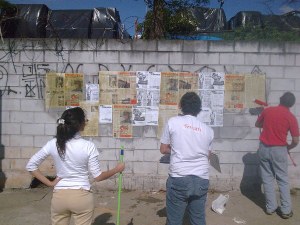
<point>274,166</point>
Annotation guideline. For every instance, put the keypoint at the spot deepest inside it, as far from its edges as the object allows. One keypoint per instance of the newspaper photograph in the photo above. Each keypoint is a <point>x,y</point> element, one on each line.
<point>187,82</point>
<point>92,92</point>
<point>169,88</point>
<point>105,114</point>
<point>73,89</point>
<point>122,121</point>
<point>212,107</point>
<point>139,116</point>
<point>234,92</point>
<point>91,110</point>
<point>55,95</point>
<point>212,80</point>
<point>108,87</point>
<point>165,113</point>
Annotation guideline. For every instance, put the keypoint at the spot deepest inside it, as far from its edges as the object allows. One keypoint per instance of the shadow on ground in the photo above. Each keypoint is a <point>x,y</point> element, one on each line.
<point>251,185</point>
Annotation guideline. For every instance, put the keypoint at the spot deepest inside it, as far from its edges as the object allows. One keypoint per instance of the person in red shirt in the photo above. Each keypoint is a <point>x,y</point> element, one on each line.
<point>273,152</point>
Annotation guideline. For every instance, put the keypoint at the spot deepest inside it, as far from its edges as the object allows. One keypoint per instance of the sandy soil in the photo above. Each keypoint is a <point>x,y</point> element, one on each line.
<point>32,207</point>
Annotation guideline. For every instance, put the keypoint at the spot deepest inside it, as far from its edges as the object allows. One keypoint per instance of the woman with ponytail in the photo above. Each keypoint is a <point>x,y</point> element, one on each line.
<point>74,159</point>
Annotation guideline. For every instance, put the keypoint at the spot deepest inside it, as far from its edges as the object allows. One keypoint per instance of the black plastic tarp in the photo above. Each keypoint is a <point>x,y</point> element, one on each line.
<point>27,21</point>
<point>105,23</point>
<point>69,24</point>
<point>209,19</point>
<point>245,18</point>
<point>286,22</point>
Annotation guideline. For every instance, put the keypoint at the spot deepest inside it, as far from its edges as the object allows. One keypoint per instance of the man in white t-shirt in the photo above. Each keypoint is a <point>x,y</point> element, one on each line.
<point>189,141</point>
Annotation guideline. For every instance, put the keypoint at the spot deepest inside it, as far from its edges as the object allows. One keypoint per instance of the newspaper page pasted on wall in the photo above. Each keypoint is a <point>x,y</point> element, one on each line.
<point>91,110</point>
<point>212,85</point>
<point>73,89</point>
<point>145,112</point>
<point>55,95</point>
<point>122,121</point>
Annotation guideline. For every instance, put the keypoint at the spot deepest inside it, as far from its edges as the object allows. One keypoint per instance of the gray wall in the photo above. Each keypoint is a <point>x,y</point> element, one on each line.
<point>26,125</point>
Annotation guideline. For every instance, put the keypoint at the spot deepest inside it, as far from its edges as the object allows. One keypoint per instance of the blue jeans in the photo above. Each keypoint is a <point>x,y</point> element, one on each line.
<point>274,165</point>
<point>186,193</point>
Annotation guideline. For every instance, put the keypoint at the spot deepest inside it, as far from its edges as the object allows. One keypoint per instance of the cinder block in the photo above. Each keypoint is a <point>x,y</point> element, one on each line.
<point>12,153</point>
<point>5,140</point>
<point>141,45</point>
<point>292,72</point>
<point>273,71</point>
<point>31,56</point>
<point>283,59</point>
<point>55,57</point>
<point>32,129</point>
<point>109,155</point>
<point>113,44</point>
<point>156,58</point>
<point>245,145</point>
<point>5,164</point>
<point>207,58</point>
<point>244,120</point>
<point>11,128</point>
<point>17,179</point>
<point>152,155</point>
<point>21,141</point>
<point>257,59</point>
<point>246,46</point>
<point>292,47</point>
<point>11,104</point>
<point>163,169</point>
<point>18,164</point>
<point>150,132</point>
<point>195,46</point>
<point>169,45</point>
<point>81,57</point>
<point>28,152</point>
<point>145,167</point>
<point>21,117</point>
<point>282,84</point>
<point>50,129</point>
<point>181,58</point>
<point>32,105</point>
<point>40,141</point>
<point>5,117</point>
<point>297,60</point>
<point>232,58</point>
<point>146,143</point>
<point>220,46</point>
<point>234,132</point>
<point>222,145</point>
<point>107,57</point>
<point>131,57</point>
<point>271,47</point>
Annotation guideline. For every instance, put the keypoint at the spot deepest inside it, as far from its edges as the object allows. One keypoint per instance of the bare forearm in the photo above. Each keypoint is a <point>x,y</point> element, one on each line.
<point>109,173</point>
<point>38,175</point>
<point>294,143</point>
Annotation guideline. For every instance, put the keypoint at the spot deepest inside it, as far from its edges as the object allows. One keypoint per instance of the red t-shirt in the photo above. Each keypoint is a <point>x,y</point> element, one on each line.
<point>277,122</point>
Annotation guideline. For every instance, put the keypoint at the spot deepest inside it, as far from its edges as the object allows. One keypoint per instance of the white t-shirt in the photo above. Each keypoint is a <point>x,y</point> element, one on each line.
<point>80,159</point>
<point>190,141</point>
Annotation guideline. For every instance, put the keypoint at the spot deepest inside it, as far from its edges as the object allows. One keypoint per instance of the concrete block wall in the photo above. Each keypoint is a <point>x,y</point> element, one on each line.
<point>26,125</point>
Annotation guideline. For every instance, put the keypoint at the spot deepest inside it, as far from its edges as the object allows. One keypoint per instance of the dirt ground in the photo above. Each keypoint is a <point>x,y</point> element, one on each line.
<point>32,207</point>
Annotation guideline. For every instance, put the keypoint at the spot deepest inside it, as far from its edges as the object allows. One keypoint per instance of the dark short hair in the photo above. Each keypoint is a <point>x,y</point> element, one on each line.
<point>287,99</point>
<point>190,104</point>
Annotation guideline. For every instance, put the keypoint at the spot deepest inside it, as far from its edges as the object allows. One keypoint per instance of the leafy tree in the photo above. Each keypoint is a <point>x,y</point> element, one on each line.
<point>166,16</point>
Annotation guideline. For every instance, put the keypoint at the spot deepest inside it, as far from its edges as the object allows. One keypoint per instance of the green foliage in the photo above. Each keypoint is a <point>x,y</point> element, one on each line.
<point>250,33</point>
<point>5,4</point>
<point>173,18</point>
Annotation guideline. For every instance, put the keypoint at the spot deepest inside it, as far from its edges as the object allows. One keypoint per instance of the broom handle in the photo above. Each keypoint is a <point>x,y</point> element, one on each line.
<point>120,186</point>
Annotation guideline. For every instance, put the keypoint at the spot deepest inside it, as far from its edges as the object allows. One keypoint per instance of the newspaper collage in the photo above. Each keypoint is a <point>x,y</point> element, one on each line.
<point>127,99</point>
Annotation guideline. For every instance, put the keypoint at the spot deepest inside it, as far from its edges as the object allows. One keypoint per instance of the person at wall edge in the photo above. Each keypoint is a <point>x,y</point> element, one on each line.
<point>74,158</point>
<point>277,122</point>
<point>189,142</point>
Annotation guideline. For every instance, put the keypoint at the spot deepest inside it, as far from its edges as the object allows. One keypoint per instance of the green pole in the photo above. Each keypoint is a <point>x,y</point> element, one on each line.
<point>120,186</point>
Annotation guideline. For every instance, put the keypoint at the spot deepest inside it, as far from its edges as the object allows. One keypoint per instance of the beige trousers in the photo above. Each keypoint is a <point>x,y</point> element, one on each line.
<point>67,203</point>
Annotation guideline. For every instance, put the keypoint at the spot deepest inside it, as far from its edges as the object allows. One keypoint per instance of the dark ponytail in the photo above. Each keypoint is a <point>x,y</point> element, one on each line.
<point>70,123</point>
